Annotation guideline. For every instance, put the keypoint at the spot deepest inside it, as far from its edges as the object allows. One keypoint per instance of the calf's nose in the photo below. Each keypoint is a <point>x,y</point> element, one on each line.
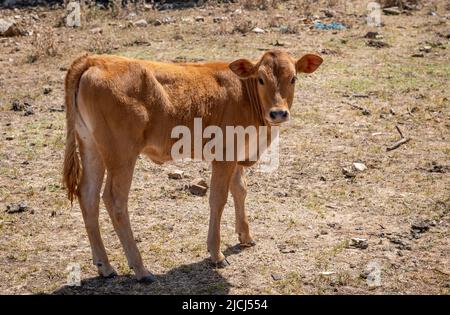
<point>278,114</point>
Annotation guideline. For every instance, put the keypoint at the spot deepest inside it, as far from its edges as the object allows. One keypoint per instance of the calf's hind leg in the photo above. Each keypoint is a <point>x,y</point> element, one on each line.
<point>115,196</point>
<point>89,198</point>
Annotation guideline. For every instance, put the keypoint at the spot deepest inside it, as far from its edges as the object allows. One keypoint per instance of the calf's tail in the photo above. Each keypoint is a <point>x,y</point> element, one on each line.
<point>72,164</point>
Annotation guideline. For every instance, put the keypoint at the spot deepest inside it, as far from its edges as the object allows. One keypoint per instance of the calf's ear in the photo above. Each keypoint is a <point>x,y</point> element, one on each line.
<point>308,63</point>
<point>243,68</point>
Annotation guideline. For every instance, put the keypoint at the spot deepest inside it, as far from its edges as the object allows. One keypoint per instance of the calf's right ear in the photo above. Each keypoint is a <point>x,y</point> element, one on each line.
<point>243,68</point>
<point>308,63</point>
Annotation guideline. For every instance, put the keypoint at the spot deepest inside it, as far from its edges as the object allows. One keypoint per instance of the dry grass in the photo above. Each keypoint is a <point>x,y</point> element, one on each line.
<point>44,45</point>
<point>307,206</point>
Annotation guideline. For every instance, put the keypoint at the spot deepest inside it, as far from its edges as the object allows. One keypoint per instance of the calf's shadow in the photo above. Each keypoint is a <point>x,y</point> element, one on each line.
<point>196,278</point>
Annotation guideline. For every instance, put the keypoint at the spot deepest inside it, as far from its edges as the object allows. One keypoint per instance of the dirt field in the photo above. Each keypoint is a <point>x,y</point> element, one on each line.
<point>304,215</point>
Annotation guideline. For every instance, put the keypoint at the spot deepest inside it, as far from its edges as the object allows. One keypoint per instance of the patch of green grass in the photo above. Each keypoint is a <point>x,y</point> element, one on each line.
<point>314,203</point>
<point>291,284</point>
<point>324,257</point>
<point>215,288</point>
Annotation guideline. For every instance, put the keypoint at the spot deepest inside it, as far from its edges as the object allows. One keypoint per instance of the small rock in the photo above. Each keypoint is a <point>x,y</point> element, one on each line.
<point>197,190</point>
<point>199,19</point>
<point>157,22</point>
<point>16,208</point>
<point>47,89</point>
<point>177,174</point>
<point>438,168</point>
<point>420,226</point>
<point>377,43</point>
<point>219,19</point>
<point>371,35</point>
<point>392,11</point>
<point>281,194</point>
<point>348,172</point>
<point>16,106</point>
<point>278,44</point>
<point>140,23</point>
<point>360,243</point>
<point>372,274</point>
<point>9,138</point>
<point>258,30</point>
<point>285,250</point>
<point>334,225</point>
<point>400,244</point>
<point>168,20</point>
<point>328,13</point>
<point>276,277</point>
<point>28,111</point>
<point>199,181</point>
<point>425,49</point>
<point>417,55</point>
<point>365,112</point>
<point>9,29</point>
<point>97,30</point>
<point>360,95</point>
<point>326,51</point>
<point>360,167</point>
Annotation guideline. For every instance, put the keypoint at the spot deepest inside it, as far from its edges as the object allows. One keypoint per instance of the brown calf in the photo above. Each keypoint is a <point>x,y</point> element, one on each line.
<point>118,108</point>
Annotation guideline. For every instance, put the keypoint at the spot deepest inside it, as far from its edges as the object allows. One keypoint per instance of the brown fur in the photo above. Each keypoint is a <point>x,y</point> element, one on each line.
<point>118,108</point>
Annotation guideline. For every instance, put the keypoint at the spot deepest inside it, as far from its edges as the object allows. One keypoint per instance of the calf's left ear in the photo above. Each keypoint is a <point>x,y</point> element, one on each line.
<point>243,68</point>
<point>308,63</point>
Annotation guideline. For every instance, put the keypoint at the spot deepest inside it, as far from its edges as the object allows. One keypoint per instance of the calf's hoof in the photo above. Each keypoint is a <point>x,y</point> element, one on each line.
<point>106,271</point>
<point>248,244</point>
<point>147,279</point>
<point>246,240</point>
<point>221,264</point>
<point>113,274</point>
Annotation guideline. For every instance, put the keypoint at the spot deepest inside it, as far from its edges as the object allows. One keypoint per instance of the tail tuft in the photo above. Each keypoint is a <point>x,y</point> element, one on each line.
<point>72,165</point>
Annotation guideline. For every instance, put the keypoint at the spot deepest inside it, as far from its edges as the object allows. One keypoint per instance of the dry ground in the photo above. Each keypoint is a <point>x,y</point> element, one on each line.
<point>303,215</point>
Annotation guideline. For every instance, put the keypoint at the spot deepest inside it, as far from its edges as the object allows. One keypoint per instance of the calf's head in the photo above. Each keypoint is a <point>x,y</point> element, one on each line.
<point>275,74</point>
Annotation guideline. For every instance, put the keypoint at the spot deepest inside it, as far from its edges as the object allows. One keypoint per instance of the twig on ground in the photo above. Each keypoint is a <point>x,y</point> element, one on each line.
<point>403,140</point>
<point>364,111</point>
<point>409,111</point>
<point>399,131</point>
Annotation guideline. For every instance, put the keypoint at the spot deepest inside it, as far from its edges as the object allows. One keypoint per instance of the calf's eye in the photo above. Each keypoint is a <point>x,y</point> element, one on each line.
<point>261,81</point>
<point>293,80</point>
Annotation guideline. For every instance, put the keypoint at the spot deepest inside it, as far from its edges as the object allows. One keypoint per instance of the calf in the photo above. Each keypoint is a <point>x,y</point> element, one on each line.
<point>118,108</point>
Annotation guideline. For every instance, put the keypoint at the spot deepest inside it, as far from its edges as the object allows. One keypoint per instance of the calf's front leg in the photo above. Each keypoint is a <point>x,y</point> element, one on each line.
<point>220,183</point>
<point>238,188</point>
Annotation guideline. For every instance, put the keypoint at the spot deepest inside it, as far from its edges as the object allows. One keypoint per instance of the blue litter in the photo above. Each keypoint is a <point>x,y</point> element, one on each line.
<point>330,26</point>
